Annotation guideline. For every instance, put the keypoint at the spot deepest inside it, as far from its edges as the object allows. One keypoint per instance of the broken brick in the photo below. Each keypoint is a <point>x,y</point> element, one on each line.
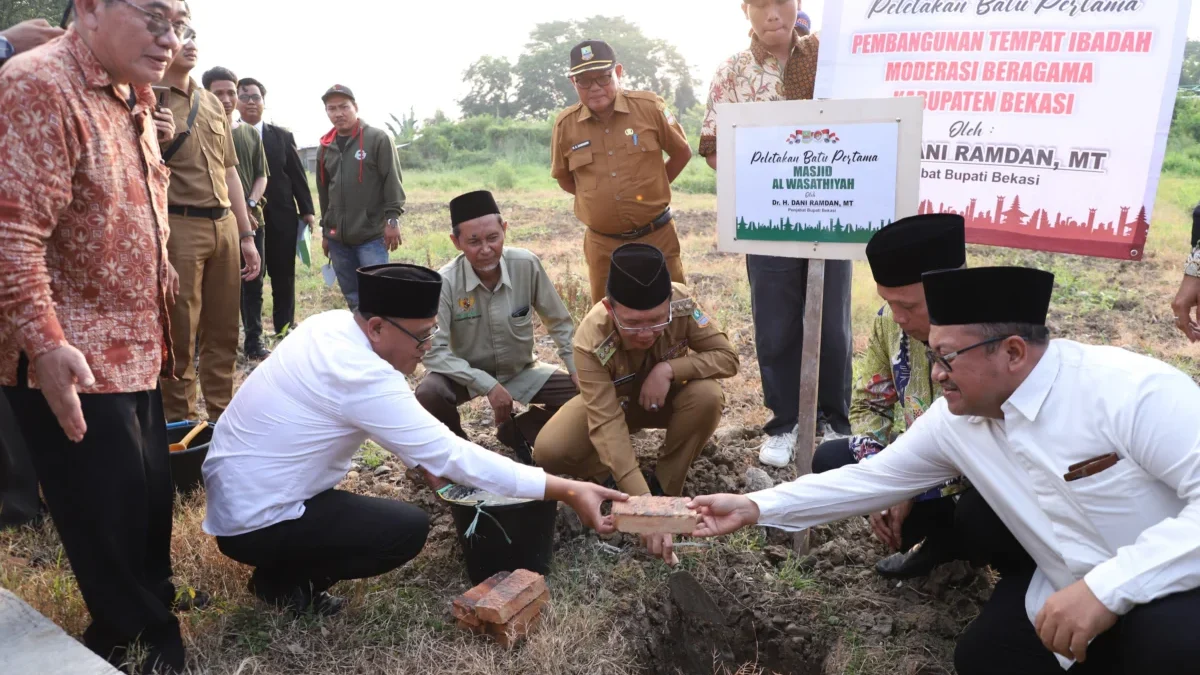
<point>464,605</point>
<point>510,596</point>
<point>655,515</point>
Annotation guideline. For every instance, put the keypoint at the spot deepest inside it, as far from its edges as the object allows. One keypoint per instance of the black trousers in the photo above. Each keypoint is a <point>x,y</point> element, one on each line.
<point>110,497</point>
<point>777,298</point>
<point>280,263</point>
<point>19,500</point>
<point>252,299</point>
<point>966,527</point>
<point>340,536</point>
<point>1158,638</point>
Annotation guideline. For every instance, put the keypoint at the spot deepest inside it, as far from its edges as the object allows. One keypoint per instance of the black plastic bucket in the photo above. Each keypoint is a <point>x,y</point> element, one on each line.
<point>530,529</point>
<point>185,464</point>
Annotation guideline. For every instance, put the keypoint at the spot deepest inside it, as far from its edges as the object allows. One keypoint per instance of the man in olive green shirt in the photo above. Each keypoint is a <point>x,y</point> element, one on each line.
<point>486,343</point>
<point>253,172</point>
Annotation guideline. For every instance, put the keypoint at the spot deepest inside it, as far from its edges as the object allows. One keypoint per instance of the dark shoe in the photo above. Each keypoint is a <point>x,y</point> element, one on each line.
<point>917,562</point>
<point>258,354</point>
<point>299,600</point>
<point>324,604</point>
<point>190,599</point>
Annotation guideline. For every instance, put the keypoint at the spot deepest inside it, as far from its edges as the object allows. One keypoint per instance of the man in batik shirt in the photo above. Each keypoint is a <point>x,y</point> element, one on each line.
<point>896,381</point>
<point>780,65</point>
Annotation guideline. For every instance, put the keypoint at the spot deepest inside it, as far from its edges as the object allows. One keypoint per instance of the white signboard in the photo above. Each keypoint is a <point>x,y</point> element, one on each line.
<point>835,184</point>
<point>1045,120</point>
<point>815,179</point>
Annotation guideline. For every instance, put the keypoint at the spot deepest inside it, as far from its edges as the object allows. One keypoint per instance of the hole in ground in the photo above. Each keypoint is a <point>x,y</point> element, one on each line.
<point>684,630</point>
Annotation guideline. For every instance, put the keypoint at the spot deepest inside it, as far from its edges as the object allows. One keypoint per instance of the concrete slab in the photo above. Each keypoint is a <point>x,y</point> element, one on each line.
<point>31,643</point>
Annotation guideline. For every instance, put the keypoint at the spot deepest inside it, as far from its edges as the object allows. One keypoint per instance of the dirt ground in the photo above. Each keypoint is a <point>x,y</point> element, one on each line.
<point>614,609</point>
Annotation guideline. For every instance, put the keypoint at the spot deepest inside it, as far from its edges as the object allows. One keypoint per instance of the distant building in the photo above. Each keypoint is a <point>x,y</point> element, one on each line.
<point>308,155</point>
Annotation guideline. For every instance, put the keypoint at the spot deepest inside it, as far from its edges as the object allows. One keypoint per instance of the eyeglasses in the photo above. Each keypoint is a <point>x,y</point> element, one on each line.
<point>420,341</point>
<point>158,25</point>
<point>644,329</point>
<point>602,80</point>
<point>250,98</point>
<point>944,360</point>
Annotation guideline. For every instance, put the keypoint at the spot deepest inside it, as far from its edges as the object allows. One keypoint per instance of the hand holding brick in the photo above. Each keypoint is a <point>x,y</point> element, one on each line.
<point>655,515</point>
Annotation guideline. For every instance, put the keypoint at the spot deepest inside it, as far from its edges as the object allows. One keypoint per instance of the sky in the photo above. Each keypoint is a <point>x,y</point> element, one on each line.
<point>401,54</point>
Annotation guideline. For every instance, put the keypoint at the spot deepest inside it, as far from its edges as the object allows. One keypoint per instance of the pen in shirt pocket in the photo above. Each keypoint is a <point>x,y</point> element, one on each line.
<point>520,313</point>
<point>1091,467</point>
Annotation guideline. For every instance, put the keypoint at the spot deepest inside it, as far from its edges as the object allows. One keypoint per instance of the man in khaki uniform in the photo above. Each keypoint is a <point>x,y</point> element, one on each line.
<point>486,346</point>
<point>210,227</point>
<point>607,150</point>
<point>647,357</point>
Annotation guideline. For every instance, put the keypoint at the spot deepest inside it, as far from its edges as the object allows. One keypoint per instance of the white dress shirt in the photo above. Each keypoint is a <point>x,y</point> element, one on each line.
<point>259,128</point>
<point>294,426</point>
<point>1131,532</point>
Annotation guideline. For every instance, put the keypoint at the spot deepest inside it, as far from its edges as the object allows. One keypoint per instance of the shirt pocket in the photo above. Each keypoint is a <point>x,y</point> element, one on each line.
<point>213,143</point>
<point>582,165</point>
<point>1105,499</point>
<point>645,159</point>
<point>522,327</point>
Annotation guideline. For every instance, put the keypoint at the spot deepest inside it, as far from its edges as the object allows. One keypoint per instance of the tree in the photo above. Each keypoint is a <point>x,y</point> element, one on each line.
<point>1190,76</point>
<point>492,91</point>
<point>16,11</point>
<point>539,85</point>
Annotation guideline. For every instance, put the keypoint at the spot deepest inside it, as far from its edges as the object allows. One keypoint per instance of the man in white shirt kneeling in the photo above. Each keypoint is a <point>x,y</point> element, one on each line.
<point>291,431</point>
<point>1089,455</point>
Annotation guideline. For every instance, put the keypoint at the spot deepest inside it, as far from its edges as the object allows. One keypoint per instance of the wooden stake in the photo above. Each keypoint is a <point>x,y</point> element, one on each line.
<point>810,371</point>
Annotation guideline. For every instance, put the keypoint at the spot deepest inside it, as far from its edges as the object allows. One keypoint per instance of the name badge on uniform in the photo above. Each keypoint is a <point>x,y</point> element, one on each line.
<point>580,146</point>
<point>605,351</point>
<point>677,350</point>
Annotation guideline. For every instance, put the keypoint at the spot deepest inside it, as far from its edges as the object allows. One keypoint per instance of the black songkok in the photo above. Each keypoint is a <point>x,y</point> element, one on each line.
<point>904,250</point>
<point>399,291</point>
<point>988,295</point>
<point>638,277</point>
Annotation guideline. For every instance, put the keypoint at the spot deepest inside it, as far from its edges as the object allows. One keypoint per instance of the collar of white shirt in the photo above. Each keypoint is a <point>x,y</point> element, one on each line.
<point>1029,397</point>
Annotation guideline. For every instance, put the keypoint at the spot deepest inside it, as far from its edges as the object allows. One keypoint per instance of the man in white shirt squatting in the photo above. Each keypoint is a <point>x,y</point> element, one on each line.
<point>291,431</point>
<point>1089,455</point>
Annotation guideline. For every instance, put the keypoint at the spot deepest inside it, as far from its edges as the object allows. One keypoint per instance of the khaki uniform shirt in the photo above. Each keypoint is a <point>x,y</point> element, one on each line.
<point>487,336</point>
<point>198,168</point>
<point>611,377</point>
<point>620,176</point>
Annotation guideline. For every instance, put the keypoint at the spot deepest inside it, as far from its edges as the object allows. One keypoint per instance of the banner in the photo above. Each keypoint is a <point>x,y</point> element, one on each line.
<point>1046,121</point>
<point>835,184</point>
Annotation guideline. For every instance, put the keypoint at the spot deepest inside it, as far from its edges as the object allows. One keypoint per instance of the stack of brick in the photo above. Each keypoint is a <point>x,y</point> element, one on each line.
<point>506,606</point>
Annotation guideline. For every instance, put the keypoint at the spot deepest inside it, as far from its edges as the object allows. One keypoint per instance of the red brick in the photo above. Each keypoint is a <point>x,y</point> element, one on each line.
<point>477,629</point>
<point>518,627</point>
<point>464,605</point>
<point>655,515</point>
<point>510,596</point>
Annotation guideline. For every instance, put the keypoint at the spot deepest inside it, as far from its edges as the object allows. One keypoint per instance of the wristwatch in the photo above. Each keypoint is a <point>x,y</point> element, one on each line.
<point>252,204</point>
<point>247,235</point>
<point>393,222</point>
<point>7,50</point>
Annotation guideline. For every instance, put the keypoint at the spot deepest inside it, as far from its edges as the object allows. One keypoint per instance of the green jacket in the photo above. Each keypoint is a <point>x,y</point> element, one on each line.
<point>360,189</point>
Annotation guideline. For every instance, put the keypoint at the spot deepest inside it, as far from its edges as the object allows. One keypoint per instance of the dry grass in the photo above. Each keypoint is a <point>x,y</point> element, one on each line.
<point>400,623</point>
